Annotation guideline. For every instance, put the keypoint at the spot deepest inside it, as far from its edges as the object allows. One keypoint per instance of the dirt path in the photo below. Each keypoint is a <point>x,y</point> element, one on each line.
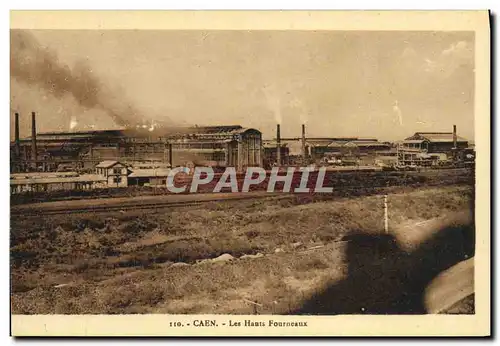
<point>137,200</point>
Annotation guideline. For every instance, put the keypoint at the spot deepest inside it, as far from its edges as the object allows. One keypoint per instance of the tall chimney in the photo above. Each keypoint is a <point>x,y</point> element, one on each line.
<point>170,156</point>
<point>455,136</point>
<point>17,143</point>
<point>304,155</point>
<point>278,145</point>
<point>34,152</point>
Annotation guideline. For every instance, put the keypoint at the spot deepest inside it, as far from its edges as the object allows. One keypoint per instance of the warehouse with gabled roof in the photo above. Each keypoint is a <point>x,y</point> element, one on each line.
<point>435,142</point>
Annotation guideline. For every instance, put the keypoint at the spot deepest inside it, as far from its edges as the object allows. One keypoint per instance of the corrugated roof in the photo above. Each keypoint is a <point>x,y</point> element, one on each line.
<point>350,144</point>
<point>106,164</point>
<point>335,145</point>
<point>214,129</point>
<point>371,144</point>
<point>223,132</point>
<point>405,149</point>
<point>41,175</point>
<point>318,142</point>
<point>149,173</point>
<point>437,136</point>
<point>387,152</point>
<point>273,144</point>
<point>211,133</point>
<point>143,165</point>
<point>200,150</point>
<point>86,132</point>
<point>339,142</point>
<point>86,178</point>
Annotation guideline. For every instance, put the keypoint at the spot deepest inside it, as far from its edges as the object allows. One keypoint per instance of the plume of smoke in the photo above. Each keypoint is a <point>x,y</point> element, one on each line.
<point>34,64</point>
<point>397,111</point>
<point>303,112</point>
<point>273,101</point>
<point>73,123</point>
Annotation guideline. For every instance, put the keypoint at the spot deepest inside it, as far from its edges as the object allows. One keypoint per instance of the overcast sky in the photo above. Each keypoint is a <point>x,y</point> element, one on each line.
<point>386,85</point>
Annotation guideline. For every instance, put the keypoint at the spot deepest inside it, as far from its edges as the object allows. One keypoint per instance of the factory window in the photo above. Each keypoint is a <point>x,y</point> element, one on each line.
<point>219,157</point>
<point>117,180</point>
<point>117,170</point>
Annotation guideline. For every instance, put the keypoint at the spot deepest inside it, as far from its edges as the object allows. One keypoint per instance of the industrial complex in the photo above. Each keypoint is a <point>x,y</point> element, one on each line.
<point>278,173</point>
<point>48,161</point>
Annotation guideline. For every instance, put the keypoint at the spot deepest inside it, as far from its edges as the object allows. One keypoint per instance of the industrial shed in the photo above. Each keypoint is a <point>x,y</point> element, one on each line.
<point>346,147</point>
<point>148,177</point>
<point>435,142</point>
<point>224,146</point>
<point>79,149</point>
<point>20,183</point>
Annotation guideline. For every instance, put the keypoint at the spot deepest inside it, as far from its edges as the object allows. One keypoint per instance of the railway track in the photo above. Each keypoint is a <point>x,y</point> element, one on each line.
<point>134,206</point>
<point>344,191</point>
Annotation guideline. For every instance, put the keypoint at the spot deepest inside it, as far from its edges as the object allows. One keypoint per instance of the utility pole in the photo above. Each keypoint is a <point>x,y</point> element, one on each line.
<point>386,218</point>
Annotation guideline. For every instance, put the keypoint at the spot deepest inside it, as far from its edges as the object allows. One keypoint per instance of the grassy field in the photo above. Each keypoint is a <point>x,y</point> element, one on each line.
<point>162,261</point>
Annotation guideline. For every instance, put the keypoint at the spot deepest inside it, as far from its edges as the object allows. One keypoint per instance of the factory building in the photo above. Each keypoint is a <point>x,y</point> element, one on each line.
<point>219,146</point>
<point>71,149</point>
<point>436,142</point>
<point>331,150</point>
<point>346,146</point>
<point>82,150</point>
<point>433,148</point>
<point>355,150</point>
<point>270,151</point>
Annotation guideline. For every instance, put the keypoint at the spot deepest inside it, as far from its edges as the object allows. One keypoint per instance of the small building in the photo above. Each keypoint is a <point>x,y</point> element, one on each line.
<point>434,142</point>
<point>148,177</point>
<point>115,173</point>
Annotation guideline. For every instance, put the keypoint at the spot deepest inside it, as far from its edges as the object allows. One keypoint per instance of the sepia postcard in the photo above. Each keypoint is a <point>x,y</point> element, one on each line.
<point>250,173</point>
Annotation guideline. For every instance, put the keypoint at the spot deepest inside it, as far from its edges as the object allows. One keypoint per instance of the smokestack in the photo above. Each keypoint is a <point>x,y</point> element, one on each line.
<point>278,145</point>
<point>455,136</point>
<point>304,156</point>
<point>170,155</point>
<point>17,143</point>
<point>34,152</point>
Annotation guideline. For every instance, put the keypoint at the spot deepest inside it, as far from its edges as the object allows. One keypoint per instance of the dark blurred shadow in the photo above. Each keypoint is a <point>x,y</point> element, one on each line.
<point>384,279</point>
